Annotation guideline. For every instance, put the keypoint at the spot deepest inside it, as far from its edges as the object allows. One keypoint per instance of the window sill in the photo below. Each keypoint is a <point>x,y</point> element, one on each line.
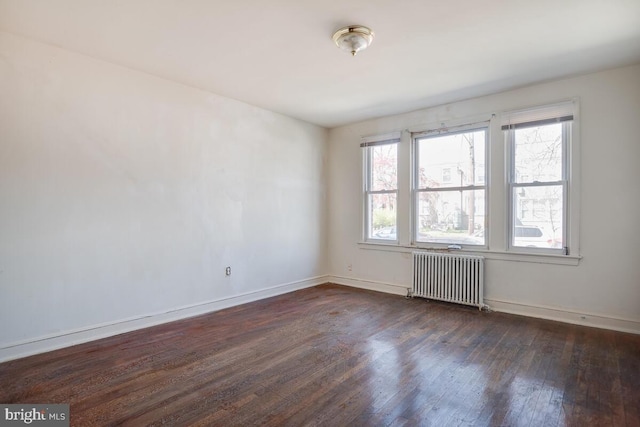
<point>537,258</point>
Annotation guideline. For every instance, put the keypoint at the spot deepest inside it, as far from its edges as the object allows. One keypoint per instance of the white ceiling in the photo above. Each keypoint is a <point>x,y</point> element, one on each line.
<point>278,54</point>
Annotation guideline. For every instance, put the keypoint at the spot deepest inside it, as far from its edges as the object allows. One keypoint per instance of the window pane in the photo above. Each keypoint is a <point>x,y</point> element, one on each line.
<point>538,217</point>
<point>384,167</point>
<point>382,216</point>
<point>452,217</point>
<point>454,160</point>
<point>538,153</point>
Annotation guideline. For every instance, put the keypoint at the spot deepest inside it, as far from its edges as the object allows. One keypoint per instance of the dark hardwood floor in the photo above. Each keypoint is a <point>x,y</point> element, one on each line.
<point>338,356</point>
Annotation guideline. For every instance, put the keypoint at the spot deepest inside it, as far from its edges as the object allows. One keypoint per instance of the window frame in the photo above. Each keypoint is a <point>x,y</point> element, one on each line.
<point>563,114</point>
<point>367,144</point>
<point>416,190</point>
<point>497,193</point>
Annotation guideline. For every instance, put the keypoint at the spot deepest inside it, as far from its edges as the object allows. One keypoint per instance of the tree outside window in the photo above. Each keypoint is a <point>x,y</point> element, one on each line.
<point>381,188</point>
<point>449,195</point>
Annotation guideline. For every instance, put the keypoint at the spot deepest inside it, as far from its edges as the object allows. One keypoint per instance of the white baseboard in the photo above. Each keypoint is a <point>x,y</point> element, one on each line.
<point>91,333</point>
<point>69,338</point>
<point>564,315</point>
<point>541,312</point>
<point>388,288</point>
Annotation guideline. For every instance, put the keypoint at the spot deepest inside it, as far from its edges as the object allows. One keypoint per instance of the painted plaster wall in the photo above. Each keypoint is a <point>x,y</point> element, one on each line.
<point>604,289</point>
<point>124,195</point>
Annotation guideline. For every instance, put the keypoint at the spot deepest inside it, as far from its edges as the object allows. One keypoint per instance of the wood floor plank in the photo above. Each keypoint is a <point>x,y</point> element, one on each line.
<point>333,355</point>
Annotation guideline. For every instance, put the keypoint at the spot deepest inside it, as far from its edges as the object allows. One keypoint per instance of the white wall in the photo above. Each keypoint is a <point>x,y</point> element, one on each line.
<point>604,288</point>
<point>123,195</point>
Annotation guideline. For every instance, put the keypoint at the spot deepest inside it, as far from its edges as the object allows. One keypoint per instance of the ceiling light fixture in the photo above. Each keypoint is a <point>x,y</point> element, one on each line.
<point>353,38</point>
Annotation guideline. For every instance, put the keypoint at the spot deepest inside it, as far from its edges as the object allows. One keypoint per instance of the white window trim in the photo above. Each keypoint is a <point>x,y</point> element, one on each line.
<point>536,258</point>
<point>373,141</point>
<point>569,181</point>
<point>496,188</point>
<point>482,125</point>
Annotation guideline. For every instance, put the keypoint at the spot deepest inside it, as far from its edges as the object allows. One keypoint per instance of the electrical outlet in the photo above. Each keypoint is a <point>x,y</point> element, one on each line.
<point>227,271</point>
<point>350,267</point>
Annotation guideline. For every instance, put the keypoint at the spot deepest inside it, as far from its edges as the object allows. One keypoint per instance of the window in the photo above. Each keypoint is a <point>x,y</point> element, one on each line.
<point>446,175</point>
<point>381,187</point>
<point>450,211</point>
<point>538,142</point>
<point>448,186</point>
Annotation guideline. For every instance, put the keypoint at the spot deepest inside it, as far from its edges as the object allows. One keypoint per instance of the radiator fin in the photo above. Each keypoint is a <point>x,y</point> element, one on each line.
<point>449,277</point>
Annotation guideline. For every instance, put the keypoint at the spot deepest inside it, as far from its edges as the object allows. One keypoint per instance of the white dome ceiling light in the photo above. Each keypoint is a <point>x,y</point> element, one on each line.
<point>353,38</point>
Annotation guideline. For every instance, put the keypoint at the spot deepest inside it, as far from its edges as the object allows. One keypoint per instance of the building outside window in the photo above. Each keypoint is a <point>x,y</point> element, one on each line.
<point>449,189</point>
<point>450,211</point>
<point>381,187</point>
<point>538,142</point>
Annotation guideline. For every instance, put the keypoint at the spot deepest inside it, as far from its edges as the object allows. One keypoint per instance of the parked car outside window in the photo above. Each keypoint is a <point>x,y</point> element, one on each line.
<point>531,236</point>
<point>387,233</point>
